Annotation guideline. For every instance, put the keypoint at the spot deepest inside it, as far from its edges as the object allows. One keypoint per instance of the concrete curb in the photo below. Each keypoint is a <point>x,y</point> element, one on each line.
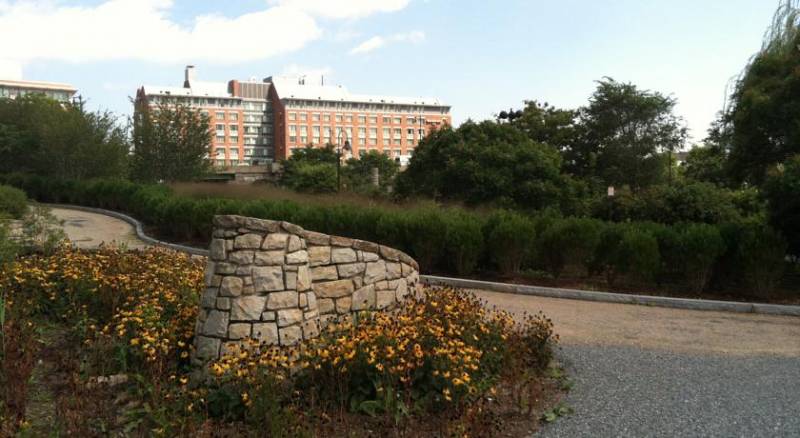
<point>550,292</point>
<point>610,297</point>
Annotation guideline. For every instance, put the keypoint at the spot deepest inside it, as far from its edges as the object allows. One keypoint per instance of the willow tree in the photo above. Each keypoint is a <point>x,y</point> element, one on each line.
<point>763,113</point>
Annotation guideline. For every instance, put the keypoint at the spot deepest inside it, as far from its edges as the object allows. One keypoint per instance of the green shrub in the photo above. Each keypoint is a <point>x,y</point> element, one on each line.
<point>13,202</point>
<point>427,235</point>
<point>464,242</point>
<point>701,246</point>
<point>760,257</point>
<point>638,255</point>
<point>509,238</point>
<point>568,242</point>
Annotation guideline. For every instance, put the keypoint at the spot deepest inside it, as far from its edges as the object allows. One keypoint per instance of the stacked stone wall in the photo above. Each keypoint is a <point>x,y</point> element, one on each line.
<point>279,284</point>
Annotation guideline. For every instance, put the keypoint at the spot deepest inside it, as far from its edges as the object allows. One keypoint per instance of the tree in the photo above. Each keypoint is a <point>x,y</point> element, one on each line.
<point>547,124</point>
<point>782,191</point>
<point>46,137</point>
<point>311,170</point>
<point>706,163</point>
<point>170,143</point>
<point>488,163</point>
<point>359,171</point>
<point>763,115</point>
<point>626,132</point>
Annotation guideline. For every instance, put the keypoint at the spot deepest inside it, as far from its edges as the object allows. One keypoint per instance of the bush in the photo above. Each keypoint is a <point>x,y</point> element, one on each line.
<point>509,238</point>
<point>13,202</point>
<point>427,234</point>
<point>464,242</point>
<point>701,246</point>
<point>782,190</point>
<point>760,257</point>
<point>568,242</point>
<point>624,249</point>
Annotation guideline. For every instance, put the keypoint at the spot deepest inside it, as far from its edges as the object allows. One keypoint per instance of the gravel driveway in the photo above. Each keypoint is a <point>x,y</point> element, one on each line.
<point>638,371</point>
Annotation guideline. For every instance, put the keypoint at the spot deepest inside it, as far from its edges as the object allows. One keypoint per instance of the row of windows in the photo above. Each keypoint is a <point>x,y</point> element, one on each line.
<point>348,118</point>
<point>303,140</point>
<point>362,132</point>
<point>363,106</point>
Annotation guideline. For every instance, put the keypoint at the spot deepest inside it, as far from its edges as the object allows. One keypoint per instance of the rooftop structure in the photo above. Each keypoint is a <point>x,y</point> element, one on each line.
<point>60,92</point>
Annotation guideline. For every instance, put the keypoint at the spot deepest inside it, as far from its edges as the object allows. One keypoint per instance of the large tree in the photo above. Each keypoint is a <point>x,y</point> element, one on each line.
<point>170,143</point>
<point>626,133</point>
<point>782,190</point>
<point>359,171</point>
<point>487,162</point>
<point>43,136</point>
<point>763,115</point>
<point>311,170</point>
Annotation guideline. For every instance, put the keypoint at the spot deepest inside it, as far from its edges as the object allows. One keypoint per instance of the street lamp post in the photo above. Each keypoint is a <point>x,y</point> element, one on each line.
<point>339,147</point>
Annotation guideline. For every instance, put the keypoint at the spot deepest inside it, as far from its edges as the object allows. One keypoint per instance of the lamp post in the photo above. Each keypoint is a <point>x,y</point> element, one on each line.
<point>339,147</point>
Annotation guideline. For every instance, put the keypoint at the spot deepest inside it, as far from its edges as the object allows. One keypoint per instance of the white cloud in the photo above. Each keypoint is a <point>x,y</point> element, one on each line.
<point>377,42</point>
<point>344,8</point>
<point>143,30</point>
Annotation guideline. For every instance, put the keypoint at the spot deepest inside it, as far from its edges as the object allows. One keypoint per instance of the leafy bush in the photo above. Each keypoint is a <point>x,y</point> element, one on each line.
<point>568,242</point>
<point>464,242</point>
<point>427,235</point>
<point>509,238</point>
<point>13,202</point>
<point>782,190</point>
<point>701,246</point>
<point>759,255</point>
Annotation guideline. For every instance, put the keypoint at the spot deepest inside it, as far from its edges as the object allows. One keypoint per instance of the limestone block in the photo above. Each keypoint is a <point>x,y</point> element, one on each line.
<point>241,257</point>
<point>385,298</point>
<point>267,258</point>
<point>325,305</point>
<point>310,329</point>
<point>370,257</point>
<point>342,241</point>
<point>343,255</point>
<point>344,304</point>
<point>216,281</point>
<point>266,332</point>
<point>247,241</point>
<point>275,241</point>
<point>376,271</point>
<point>303,279</point>
<point>216,250</point>
<point>297,257</point>
<point>282,300</point>
<point>209,298</point>
<point>312,300</point>
<point>295,244</point>
<point>291,335</point>
<point>291,280</point>
<point>405,269</point>
<point>247,308</point>
<point>223,303</point>
<point>319,255</point>
<point>288,317</point>
<point>303,301</point>
<point>239,331</point>
<point>333,289</point>
<point>401,291</point>
<point>364,298</point>
<point>268,278</point>
<point>393,271</point>
<point>315,238</point>
<point>351,269</point>
<point>321,273</point>
<point>225,268</point>
<point>209,273</point>
<point>207,348</point>
<point>216,324</point>
<point>268,316</point>
<point>231,287</point>
<point>390,253</point>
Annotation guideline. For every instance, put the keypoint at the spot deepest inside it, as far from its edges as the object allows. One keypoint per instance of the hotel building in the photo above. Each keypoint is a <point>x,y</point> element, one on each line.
<point>60,92</point>
<point>257,122</point>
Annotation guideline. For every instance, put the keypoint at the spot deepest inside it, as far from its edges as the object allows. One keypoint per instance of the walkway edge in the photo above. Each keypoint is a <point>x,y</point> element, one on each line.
<point>611,297</point>
<point>549,292</point>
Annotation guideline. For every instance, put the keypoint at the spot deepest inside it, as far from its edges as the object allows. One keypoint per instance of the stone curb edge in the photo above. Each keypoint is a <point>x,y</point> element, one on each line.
<point>610,297</point>
<point>549,292</point>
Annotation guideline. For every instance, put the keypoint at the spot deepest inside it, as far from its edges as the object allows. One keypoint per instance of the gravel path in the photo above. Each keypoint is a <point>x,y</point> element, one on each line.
<point>638,371</point>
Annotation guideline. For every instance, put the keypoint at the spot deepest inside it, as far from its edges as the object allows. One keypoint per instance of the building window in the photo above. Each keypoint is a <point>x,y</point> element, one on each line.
<point>386,141</point>
<point>398,133</point>
<point>348,119</point>
<point>362,120</point>
<point>339,118</point>
<point>397,152</point>
<point>410,120</point>
<point>220,127</point>
<point>315,140</point>
<point>303,130</point>
<point>326,117</point>
<point>362,132</point>
<point>315,117</point>
<point>386,132</point>
<point>303,117</point>
<point>410,133</point>
<point>398,120</point>
<point>220,139</point>
<point>234,139</point>
<point>234,129</point>
<point>373,119</point>
<point>304,140</point>
<point>315,131</point>
<point>373,141</point>
<point>233,116</point>
<point>387,120</point>
<point>397,141</point>
<point>219,115</point>
<point>373,132</point>
<point>292,116</point>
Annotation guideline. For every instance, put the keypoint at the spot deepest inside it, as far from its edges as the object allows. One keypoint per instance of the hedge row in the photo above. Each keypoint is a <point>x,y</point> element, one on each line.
<point>745,255</point>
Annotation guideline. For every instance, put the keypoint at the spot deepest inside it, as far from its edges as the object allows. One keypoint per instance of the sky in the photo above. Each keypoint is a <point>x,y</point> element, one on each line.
<point>479,56</point>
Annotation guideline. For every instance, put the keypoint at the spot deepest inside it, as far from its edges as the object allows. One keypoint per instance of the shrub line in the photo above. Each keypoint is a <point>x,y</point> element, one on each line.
<point>611,297</point>
<point>549,292</point>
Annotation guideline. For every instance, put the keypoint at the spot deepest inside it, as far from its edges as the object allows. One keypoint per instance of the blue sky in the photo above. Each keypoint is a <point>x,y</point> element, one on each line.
<point>479,56</point>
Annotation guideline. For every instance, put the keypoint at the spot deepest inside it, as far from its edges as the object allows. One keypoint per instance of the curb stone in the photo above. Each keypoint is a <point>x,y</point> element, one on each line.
<point>610,297</point>
<point>549,292</point>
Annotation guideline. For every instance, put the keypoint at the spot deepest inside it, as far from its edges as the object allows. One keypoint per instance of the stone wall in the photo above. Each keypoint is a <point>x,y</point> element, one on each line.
<point>278,283</point>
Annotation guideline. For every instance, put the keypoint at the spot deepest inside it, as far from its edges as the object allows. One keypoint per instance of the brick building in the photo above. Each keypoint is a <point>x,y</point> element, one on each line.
<point>255,122</point>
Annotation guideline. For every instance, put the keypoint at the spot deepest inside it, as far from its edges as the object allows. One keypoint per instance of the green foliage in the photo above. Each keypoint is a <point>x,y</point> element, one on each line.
<point>427,236</point>
<point>170,143</point>
<point>626,131</point>
<point>488,163</point>
<point>571,241</point>
<point>509,238</point>
<point>761,119</point>
<point>549,125</point>
<point>625,249</point>
<point>465,243</point>
<point>359,171</point>
<point>45,137</point>
<point>310,177</point>
<point>706,163</point>
<point>758,256</point>
<point>701,246</point>
<point>13,202</point>
<point>782,191</point>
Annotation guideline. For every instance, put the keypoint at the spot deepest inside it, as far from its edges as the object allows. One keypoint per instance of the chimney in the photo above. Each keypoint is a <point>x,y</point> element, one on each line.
<point>189,76</point>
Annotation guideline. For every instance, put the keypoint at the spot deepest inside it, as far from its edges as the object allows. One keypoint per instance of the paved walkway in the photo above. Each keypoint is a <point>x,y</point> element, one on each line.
<point>638,371</point>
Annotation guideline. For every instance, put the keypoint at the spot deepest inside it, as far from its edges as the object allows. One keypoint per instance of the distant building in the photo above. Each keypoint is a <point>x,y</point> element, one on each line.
<point>256,122</point>
<point>60,92</point>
